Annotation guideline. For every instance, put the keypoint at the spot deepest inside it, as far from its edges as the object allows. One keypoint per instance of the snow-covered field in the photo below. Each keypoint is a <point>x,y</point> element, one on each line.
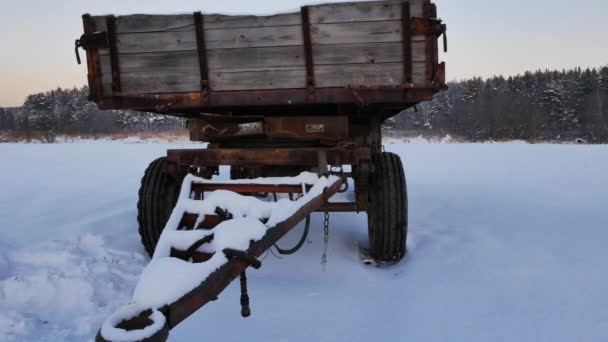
<point>507,243</point>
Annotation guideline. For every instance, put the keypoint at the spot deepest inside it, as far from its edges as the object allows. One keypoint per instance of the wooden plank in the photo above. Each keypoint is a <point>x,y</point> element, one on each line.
<point>217,21</point>
<point>223,59</point>
<point>285,78</point>
<point>419,51</point>
<point>419,73</point>
<point>255,37</point>
<point>378,74</point>
<point>361,11</point>
<point>350,12</point>
<point>264,57</point>
<point>100,23</point>
<point>149,83</point>
<point>357,32</point>
<point>417,8</point>
<point>139,23</point>
<point>142,23</point>
<point>358,53</point>
<point>215,39</point>
<point>158,62</point>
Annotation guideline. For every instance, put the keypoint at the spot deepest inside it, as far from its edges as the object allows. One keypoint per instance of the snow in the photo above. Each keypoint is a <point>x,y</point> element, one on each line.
<point>111,333</point>
<point>507,243</point>
<point>153,291</point>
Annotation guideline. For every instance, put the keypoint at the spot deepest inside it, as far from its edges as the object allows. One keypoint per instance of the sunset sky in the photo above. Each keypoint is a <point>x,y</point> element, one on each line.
<point>486,37</point>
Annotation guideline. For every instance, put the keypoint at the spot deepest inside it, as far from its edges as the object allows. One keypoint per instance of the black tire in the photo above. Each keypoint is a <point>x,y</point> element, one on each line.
<point>158,195</point>
<point>387,211</point>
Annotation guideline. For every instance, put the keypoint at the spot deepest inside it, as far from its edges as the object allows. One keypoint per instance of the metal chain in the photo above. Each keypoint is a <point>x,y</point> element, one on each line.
<point>325,239</point>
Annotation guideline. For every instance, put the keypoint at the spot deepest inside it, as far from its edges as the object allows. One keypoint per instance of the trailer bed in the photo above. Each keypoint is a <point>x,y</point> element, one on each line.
<point>361,53</point>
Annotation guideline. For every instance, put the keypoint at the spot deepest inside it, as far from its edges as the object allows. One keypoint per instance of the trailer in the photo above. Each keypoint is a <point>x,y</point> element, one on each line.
<point>278,99</point>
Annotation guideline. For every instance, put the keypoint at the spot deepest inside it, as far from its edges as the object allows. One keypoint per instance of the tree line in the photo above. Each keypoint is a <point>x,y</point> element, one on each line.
<point>541,105</point>
<point>67,111</point>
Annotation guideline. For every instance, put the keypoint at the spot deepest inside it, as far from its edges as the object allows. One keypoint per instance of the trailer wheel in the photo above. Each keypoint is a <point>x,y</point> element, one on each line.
<point>387,211</point>
<point>158,195</point>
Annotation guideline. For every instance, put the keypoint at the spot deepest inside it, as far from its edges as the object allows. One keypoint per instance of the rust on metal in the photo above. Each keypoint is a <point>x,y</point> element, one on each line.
<point>265,157</point>
<point>256,101</point>
<point>210,130</point>
<point>199,188</point>
<point>93,63</point>
<point>113,48</point>
<point>407,42</point>
<point>427,26</point>
<point>201,47</point>
<point>307,127</point>
<point>310,68</point>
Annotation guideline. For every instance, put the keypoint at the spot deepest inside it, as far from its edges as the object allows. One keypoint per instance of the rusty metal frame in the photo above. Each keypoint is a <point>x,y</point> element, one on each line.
<point>308,55</point>
<point>179,160</point>
<point>201,47</point>
<point>114,56</point>
<point>257,100</point>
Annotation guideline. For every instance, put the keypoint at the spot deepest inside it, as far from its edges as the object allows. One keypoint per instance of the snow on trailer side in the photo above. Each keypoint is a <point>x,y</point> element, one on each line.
<point>358,44</point>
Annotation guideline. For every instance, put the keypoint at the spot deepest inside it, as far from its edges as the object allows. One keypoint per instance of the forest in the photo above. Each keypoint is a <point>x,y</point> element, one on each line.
<point>543,105</point>
<point>537,106</point>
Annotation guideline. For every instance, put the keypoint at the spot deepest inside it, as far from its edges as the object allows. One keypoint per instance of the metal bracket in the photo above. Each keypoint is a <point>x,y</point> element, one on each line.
<point>97,40</point>
<point>427,26</point>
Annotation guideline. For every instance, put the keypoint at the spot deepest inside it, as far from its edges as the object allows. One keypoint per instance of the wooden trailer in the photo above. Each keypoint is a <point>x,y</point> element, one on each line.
<point>273,96</point>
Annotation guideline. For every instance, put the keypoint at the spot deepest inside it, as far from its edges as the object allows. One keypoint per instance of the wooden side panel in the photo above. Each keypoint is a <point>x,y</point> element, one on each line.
<point>358,43</point>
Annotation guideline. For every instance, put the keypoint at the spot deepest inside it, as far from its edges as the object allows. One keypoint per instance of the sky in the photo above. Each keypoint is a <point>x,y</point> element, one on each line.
<point>486,37</point>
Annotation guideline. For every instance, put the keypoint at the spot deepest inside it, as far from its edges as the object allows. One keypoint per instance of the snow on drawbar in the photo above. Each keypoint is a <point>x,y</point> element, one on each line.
<point>246,226</point>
